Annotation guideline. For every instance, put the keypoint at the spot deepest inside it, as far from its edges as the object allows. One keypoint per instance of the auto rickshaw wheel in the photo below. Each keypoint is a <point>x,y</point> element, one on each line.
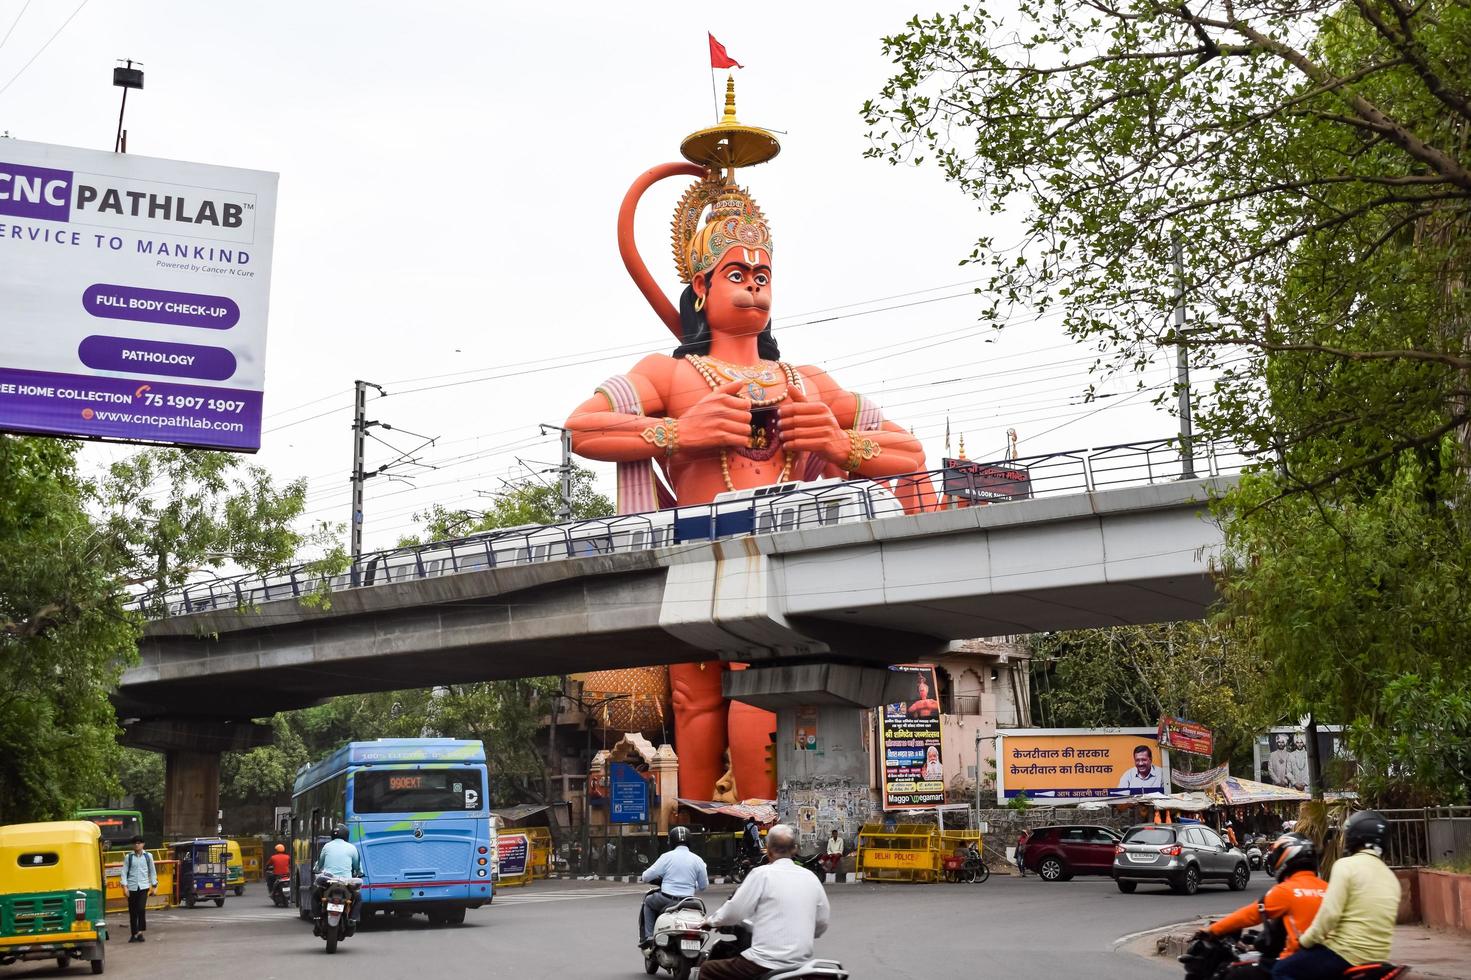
<point>101,954</point>
<point>220,902</point>
<point>189,901</point>
<point>62,962</point>
<point>239,890</point>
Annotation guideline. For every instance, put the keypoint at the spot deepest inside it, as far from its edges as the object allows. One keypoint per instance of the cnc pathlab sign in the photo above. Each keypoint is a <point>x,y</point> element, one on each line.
<point>1066,764</point>
<point>914,776</point>
<point>986,482</point>
<point>135,297</point>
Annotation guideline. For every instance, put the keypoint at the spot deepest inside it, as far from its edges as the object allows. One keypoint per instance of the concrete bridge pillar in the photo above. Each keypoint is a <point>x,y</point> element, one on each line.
<point>823,748</point>
<point>192,749</point>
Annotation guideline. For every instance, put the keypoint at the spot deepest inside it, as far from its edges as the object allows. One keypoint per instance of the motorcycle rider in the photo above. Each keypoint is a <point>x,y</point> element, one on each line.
<point>751,841</point>
<point>680,874</point>
<point>1293,902</point>
<point>1355,923</point>
<point>338,859</point>
<point>786,908</point>
<point>278,867</point>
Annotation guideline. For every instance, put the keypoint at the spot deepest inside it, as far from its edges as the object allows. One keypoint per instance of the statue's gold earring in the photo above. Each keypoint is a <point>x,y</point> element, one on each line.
<point>699,303</point>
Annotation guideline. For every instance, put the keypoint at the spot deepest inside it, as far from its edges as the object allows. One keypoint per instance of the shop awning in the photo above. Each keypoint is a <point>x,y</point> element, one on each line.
<point>1237,791</point>
<point>1180,802</point>
<point>763,810</point>
<point>515,814</point>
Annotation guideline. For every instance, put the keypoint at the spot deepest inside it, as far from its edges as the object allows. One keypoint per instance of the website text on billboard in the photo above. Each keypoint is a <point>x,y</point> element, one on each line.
<point>136,297</point>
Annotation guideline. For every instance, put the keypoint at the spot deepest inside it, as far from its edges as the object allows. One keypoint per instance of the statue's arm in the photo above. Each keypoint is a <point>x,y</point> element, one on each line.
<point>721,419</point>
<point>821,422</point>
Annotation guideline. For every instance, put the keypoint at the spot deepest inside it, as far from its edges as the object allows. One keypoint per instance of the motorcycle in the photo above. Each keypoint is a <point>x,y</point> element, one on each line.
<point>334,909</point>
<point>682,942</point>
<point>276,889</point>
<point>744,864</point>
<point>1243,958</point>
<point>966,867</point>
<point>1254,853</point>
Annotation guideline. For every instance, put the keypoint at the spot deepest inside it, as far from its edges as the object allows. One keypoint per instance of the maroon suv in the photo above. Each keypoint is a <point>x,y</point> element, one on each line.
<point>1058,853</point>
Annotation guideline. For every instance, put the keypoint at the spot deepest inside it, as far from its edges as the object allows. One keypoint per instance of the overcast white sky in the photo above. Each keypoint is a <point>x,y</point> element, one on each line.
<point>450,176</point>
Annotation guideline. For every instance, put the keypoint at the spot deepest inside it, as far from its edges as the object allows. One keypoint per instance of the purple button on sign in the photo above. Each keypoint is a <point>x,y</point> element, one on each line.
<point>160,306</point>
<point>156,357</point>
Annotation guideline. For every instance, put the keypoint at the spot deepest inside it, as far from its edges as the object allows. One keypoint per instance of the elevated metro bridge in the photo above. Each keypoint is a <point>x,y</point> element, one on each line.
<point>807,574</point>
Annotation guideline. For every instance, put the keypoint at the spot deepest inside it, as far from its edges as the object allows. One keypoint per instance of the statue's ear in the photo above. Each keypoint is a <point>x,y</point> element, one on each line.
<point>700,285</point>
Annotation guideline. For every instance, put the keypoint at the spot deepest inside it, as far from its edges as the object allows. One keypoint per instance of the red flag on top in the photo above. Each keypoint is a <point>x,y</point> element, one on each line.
<point>718,57</point>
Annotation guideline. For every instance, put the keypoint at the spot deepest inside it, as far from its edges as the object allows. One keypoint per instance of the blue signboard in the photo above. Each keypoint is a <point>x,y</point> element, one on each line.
<point>628,795</point>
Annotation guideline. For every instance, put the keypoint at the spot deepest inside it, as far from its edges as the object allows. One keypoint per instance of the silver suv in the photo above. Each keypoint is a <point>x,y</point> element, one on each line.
<point>1178,855</point>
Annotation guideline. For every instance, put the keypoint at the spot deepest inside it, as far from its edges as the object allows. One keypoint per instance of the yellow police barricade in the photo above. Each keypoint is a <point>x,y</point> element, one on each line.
<point>907,852</point>
<point>252,856</point>
<point>513,850</point>
<point>540,857</point>
<point>116,897</point>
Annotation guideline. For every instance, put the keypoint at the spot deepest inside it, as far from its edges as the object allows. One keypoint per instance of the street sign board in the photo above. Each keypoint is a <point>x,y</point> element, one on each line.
<point>628,794</point>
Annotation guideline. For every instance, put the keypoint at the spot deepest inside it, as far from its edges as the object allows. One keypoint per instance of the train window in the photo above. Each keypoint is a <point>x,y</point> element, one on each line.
<point>765,522</point>
<point>539,552</point>
<point>522,556</point>
<point>788,518</point>
<point>639,540</point>
<point>834,512</point>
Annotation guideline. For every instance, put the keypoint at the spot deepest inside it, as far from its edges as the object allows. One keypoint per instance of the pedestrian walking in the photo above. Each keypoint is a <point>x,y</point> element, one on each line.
<point>1021,861</point>
<point>140,879</point>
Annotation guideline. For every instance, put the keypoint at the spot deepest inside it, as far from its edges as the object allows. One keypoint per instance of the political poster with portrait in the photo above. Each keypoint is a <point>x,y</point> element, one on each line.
<point>1064,765</point>
<point>914,773</point>
<point>1281,759</point>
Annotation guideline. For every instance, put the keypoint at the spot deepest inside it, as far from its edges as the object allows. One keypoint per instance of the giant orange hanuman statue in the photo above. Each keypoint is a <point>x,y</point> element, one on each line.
<point>725,412</point>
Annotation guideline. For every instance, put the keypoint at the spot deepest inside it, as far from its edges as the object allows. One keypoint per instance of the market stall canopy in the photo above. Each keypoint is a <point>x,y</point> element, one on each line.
<point>1182,802</point>
<point>1237,791</point>
<point>763,810</point>
<point>515,814</point>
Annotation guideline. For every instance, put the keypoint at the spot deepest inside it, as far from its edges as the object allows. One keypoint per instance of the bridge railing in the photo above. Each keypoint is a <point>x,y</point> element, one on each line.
<point>804,506</point>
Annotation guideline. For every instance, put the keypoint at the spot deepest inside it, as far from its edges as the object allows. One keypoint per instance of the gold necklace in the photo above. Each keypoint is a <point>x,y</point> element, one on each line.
<point>756,379</point>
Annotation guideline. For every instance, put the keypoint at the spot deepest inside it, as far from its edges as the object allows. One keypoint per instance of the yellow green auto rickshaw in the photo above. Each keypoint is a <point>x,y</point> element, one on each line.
<point>51,896</point>
<point>234,867</point>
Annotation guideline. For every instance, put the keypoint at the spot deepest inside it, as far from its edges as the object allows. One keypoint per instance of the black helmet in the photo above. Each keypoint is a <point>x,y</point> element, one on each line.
<point>1290,853</point>
<point>339,832</point>
<point>1365,829</point>
<point>678,836</point>
<point>1204,956</point>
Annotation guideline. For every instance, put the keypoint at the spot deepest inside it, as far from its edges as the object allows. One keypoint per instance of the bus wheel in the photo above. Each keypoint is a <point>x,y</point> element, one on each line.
<point>455,917</point>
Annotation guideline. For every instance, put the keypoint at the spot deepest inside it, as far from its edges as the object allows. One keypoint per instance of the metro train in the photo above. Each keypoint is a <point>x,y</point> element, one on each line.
<point>759,510</point>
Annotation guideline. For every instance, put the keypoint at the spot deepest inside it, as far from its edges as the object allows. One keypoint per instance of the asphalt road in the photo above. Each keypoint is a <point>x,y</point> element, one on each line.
<point>1004,928</point>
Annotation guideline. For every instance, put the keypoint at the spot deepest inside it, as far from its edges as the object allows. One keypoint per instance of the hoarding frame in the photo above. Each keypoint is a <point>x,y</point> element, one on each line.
<point>1002,734</point>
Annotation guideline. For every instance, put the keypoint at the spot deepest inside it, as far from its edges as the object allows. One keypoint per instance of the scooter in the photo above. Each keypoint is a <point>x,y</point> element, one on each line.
<point>276,889</point>
<point>334,911</point>
<point>1254,854</point>
<point>1215,957</point>
<point>681,940</point>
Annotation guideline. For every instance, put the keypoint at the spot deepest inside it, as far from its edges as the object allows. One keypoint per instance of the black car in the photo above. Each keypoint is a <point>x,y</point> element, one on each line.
<point>1179,855</point>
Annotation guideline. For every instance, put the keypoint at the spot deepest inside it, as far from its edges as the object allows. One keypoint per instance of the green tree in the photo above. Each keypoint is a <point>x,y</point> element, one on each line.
<point>64,637</point>
<point>530,501</point>
<point>1309,159</point>
<point>1132,675</point>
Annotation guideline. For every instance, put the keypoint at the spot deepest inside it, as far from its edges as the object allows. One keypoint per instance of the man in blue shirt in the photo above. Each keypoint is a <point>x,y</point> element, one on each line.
<point>337,859</point>
<point>140,879</point>
<point>680,874</point>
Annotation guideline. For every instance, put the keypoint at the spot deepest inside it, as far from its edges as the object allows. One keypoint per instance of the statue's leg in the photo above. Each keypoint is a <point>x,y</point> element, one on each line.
<point>699,727</point>
<point>751,730</point>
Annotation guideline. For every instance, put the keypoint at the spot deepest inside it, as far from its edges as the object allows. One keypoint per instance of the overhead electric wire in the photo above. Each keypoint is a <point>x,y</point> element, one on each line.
<point>53,37</point>
<point>23,8</point>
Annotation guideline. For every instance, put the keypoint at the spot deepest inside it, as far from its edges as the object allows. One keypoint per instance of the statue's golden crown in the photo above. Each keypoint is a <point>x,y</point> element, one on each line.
<point>701,239</point>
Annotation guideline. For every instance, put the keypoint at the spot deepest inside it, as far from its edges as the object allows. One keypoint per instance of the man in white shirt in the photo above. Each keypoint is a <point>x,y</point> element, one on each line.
<point>784,906</point>
<point>1143,777</point>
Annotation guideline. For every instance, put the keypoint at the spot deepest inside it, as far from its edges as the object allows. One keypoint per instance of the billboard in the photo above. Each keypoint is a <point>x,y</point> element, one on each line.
<point>986,482</point>
<point>136,293</point>
<point>914,774</point>
<point>1280,758</point>
<point>1186,736</point>
<point>628,794</point>
<point>1063,765</point>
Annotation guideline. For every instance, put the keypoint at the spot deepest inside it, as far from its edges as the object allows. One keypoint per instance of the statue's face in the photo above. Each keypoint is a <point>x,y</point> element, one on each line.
<point>738,298</point>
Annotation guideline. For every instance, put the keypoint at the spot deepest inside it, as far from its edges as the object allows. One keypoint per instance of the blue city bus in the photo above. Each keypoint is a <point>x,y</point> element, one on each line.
<point>417,810</point>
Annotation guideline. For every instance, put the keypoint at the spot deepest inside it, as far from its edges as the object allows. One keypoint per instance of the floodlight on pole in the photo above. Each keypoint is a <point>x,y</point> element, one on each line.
<point>125,77</point>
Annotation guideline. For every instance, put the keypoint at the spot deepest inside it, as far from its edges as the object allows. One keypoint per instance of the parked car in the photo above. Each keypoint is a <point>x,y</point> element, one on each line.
<point>1179,855</point>
<point>1058,853</point>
